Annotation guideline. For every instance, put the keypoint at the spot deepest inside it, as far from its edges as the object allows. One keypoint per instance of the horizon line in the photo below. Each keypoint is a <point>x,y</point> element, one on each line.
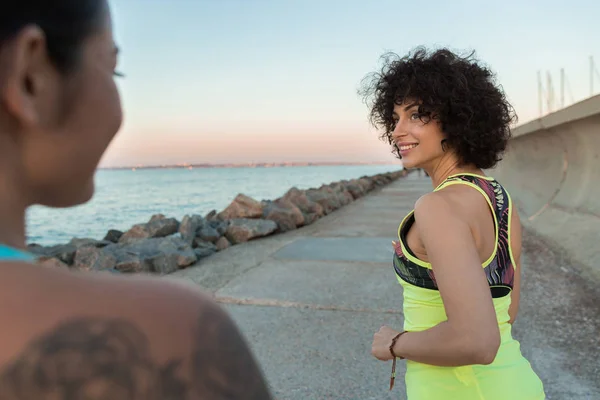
<point>249,164</point>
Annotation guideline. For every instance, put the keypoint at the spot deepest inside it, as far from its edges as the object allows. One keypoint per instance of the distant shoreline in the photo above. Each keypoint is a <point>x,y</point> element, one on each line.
<point>248,165</point>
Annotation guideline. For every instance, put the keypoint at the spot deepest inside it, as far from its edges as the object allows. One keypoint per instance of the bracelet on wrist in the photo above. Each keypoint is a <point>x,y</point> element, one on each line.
<point>394,340</point>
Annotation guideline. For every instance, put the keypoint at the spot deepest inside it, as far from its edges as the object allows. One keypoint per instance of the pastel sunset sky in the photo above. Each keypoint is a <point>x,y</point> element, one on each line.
<point>276,80</point>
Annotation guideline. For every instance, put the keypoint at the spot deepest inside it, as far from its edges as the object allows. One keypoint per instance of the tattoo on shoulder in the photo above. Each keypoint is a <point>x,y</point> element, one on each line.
<point>101,359</point>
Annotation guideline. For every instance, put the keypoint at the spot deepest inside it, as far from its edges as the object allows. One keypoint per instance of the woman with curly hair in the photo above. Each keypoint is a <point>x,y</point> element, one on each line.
<point>458,252</point>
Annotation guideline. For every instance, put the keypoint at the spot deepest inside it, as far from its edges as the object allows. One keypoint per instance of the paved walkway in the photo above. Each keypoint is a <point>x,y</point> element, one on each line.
<point>309,301</point>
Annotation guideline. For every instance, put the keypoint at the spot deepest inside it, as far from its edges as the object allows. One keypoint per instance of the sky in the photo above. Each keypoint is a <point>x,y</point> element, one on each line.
<point>242,81</point>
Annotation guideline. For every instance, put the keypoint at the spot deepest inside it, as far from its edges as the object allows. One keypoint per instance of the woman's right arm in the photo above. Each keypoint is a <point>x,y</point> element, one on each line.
<point>470,335</point>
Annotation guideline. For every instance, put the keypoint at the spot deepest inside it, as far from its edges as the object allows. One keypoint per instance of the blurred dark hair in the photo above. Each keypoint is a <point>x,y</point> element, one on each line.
<point>66,24</point>
<point>459,92</point>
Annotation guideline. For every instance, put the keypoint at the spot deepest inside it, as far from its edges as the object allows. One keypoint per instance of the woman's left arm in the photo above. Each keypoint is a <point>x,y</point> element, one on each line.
<point>471,334</point>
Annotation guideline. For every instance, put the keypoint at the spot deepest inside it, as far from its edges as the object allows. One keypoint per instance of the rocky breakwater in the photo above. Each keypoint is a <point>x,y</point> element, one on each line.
<point>164,245</point>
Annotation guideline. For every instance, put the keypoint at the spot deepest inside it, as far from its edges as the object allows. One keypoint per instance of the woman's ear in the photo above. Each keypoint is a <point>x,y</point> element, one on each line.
<point>444,144</point>
<point>25,69</point>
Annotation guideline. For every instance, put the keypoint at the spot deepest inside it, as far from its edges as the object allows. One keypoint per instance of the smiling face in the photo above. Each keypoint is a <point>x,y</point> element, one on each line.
<point>418,142</point>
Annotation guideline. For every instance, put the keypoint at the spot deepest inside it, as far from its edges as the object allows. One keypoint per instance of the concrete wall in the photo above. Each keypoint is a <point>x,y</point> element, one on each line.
<point>552,170</point>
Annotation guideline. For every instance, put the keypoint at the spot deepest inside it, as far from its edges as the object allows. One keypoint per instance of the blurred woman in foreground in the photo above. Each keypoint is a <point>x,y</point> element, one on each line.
<point>74,335</point>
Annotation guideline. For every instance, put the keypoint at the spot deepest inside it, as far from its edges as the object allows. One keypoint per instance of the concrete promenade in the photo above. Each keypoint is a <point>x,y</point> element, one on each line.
<point>309,301</point>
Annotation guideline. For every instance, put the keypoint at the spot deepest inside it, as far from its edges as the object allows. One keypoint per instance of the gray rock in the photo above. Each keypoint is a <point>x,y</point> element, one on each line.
<point>366,183</point>
<point>136,232</point>
<point>220,226</point>
<point>161,226</point>
<point>343,195</point>
<point>222,243</point>
<point>242,229</point>
<point>294,210</point>
<point>113,236</point>
<point>131,264</point>
<point>33,247</point>
<point>284,213</point>
<point>51,262</point>
<point>380,179</point>
<point>242,207</point>
<point>189,227</point>
<point>212,216</point>
<point>326,197</point>
<point>310,209</point>
<point>204,249</point>
<point>299,199</point>
<point>153,255</point>
<point>85,242</point>
<point>158,226</point>
<point>356,189</point>
<point>335,195</point>
<point>209,234</point>
<point>311,217</point>
<point>93,259</point>
<point>186,258</point>
<point>64,252</point>
<point>163,264</point>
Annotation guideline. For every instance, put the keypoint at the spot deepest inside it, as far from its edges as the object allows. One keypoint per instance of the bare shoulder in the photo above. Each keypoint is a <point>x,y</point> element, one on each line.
<point>106,337</point>
<point>448,202</point>
<point>444,220</point>
<point>457,202</point>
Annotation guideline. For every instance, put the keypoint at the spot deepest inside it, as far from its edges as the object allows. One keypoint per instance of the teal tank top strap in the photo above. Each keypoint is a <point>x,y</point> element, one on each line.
<point>11,254</point>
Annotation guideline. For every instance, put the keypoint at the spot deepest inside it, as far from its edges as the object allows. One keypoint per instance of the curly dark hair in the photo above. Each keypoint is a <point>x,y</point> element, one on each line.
<point>459,92</point>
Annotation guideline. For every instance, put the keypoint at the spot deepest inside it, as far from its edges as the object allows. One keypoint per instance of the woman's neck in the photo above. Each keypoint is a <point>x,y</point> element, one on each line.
<point>448,167</point>
<point>12,206</point>
<point>12,224</point>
